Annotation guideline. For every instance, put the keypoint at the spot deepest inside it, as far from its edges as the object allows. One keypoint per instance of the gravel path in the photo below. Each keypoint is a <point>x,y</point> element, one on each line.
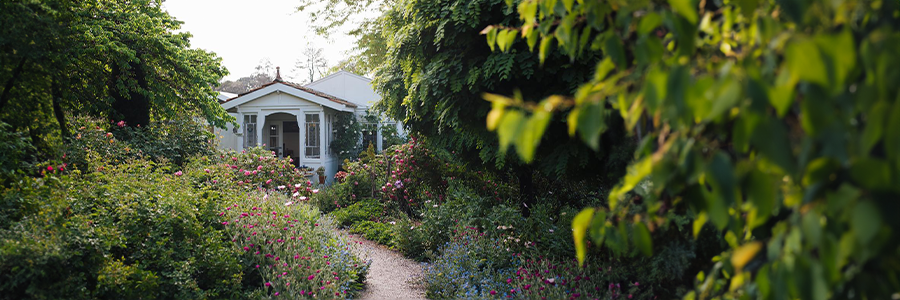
<point>391,276</point>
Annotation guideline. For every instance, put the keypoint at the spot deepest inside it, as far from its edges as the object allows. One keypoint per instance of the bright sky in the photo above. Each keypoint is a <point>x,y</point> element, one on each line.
<point>244,32</point>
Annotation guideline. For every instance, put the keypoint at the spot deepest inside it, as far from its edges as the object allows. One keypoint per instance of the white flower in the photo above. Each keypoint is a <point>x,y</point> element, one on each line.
<point>392,222</point>
<point>266,197</point>
<point>296,194</point>
<point>303,198</point>
<point>289,203</point>
<point>551,230</point>
<point>434,205</point>
<point>298,185</point>
<point>316,191</point>
<point>280,187</point>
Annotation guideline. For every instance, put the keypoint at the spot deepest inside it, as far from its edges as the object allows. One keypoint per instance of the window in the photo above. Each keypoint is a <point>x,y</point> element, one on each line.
<point>250,138</point>
<point>313,137</point>
<point>273,136</point>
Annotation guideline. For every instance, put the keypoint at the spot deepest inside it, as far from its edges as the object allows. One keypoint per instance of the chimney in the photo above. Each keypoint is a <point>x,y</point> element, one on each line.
<point>278,74</point>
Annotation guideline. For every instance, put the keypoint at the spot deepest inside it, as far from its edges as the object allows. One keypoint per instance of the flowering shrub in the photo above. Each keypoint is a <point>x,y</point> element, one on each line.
<point>129,227</point>
<point>252,169</point>
<point>292,250</point>
<point>163,142</point>
<point>475,265</point>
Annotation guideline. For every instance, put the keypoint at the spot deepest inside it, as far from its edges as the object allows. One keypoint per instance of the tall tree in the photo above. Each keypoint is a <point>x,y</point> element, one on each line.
<point>123,60</point>
<point>438,66</point>
<point>312,63</point>
<point>261,75</point>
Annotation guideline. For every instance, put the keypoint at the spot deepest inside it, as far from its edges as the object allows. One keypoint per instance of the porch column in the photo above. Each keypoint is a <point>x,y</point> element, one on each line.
<point>322,146</point>
<point>301,153</point>
<point>378,139</point>
<point>260,124</point>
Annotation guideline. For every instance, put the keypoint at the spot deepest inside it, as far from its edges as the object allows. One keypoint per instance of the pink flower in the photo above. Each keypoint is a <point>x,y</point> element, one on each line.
<point>268,284</point>
<point>121,124</point>
<point>493,292</point>
<point>311,277</point>
<point>178,173</point>
<point>207,171</point>
<point>276,294</point>
<point>49,168</point>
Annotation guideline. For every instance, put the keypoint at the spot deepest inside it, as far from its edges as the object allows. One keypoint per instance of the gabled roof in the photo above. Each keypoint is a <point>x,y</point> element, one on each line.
<point>304,92</point>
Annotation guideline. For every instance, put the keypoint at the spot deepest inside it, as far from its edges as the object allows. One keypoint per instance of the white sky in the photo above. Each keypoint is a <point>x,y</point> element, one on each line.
<point>244,32</point>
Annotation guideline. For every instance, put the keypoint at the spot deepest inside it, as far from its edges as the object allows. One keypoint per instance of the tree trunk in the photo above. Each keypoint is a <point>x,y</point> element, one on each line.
<point>56,95</point>
<point>4,97</point>
<point>131,106</point>
<point>526,189</point>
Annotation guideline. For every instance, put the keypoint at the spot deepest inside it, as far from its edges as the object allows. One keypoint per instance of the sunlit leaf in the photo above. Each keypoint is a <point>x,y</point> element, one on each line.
<point>579,229</point>
<point>744,254</point>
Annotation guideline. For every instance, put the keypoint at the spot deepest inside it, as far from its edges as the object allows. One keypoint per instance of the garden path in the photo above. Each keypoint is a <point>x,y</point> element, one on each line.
<point>391,276</point>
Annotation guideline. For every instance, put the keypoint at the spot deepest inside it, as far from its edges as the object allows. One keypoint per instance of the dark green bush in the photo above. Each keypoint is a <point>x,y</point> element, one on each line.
<point>381,233</point>
<point>365,210</point>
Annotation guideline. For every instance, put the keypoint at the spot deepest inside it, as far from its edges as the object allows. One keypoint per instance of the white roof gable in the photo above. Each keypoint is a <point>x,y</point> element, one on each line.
<point>348,86</point>
<point>299,92</point>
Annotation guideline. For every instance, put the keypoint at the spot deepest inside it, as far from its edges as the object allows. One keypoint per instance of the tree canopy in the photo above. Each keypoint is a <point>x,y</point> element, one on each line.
<point>123,60</point>
<point>773,121</point>
<point>437,66</point>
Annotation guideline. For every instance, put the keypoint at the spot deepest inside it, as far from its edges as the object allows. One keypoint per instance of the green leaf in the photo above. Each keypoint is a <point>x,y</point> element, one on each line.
<point>579,229</point>
<point>642,239</point>
<point>892,133</point>
<point>761,191</point>
<point>614,49</point>
<point>727,96</point>
<point>874,126</point>
<point>804,60</point>
<point>510,126</point>
<point>685,8</point>
<point>491,36</point>
<point>722,176</point>
<point>649,22</point>
<point>770,139</point>
<point>701,219</point>
<point>871,173</point>
<point>820,169</point>
<point>531,38</point>
<point>603,69</point>
<point>543,50</point>
<point>527,10</point>
<point>591,123</point>
<point>747,7</point>
<point>530,137</point>
<point>568,4</point>
<point>812,229</point>
<point>636,172</point>
<point>840,52</point>
<point>866,221</point>
<point>781,97</point>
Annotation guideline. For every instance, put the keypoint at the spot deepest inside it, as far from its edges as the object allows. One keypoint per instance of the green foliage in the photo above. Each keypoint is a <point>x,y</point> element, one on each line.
<point>770,121</point>
<point>14,151</point>
<point>437,68</point>
<point>364,210</point>
<point>347,130</point>
<point>374,231</point>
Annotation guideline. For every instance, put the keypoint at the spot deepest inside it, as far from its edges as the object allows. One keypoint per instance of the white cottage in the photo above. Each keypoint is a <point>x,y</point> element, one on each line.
<point>296,120</point>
